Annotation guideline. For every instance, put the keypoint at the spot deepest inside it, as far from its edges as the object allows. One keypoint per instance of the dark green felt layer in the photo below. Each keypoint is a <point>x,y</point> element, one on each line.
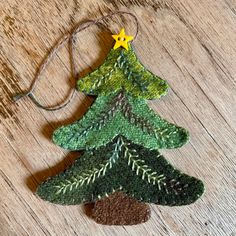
<point>120,114</point>
<point>124,166</point>
<point>123,70</point>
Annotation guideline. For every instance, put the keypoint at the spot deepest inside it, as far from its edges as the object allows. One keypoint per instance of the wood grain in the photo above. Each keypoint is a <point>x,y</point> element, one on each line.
<point>189,43</point>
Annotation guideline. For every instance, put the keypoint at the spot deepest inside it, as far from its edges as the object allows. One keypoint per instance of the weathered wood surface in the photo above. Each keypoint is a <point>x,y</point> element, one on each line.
<point>191,44</point>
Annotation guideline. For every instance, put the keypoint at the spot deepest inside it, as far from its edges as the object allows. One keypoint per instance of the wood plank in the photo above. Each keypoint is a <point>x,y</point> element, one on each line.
<point>191,44</point>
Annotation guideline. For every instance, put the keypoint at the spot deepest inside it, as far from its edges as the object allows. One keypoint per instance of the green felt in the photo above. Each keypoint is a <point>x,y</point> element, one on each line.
<point>123,70</point>
<point>120,137</point>
<point>120,114</point>
<point>124,166</point>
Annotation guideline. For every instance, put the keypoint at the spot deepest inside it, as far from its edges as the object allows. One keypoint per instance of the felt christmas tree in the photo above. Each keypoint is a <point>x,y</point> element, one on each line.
<point>120,138</point>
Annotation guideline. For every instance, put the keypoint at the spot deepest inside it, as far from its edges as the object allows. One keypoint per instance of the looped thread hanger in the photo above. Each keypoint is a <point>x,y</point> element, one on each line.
<point>70,38</point>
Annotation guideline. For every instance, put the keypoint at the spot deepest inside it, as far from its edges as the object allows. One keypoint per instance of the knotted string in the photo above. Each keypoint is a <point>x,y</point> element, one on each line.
<point>70,38</point>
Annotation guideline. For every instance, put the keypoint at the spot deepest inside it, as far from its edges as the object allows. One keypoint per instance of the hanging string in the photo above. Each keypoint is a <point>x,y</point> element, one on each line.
<point>71,39</point>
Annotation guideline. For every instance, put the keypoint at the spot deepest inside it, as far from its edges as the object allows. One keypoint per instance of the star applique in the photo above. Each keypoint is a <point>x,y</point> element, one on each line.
<point>122,39</point>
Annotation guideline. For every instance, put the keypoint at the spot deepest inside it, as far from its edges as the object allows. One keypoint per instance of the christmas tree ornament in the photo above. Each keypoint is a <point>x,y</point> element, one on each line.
<point>121,168</point>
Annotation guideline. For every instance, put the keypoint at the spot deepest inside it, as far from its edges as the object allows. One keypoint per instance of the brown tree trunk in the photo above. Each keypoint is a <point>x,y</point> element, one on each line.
<point>120,209</point>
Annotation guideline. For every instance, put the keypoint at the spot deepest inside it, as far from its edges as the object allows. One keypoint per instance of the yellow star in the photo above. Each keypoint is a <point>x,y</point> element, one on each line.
<point>122,39</point>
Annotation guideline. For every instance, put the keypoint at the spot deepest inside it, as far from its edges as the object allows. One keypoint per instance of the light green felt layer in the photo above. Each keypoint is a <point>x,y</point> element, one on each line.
<point>129,117</point>
<point>123,70</point>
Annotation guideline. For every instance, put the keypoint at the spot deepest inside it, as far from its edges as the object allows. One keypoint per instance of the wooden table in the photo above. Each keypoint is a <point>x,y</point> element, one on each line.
<point>191,44</point>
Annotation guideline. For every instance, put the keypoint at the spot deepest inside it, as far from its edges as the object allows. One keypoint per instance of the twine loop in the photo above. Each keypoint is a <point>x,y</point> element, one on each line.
<point>70,38</point>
